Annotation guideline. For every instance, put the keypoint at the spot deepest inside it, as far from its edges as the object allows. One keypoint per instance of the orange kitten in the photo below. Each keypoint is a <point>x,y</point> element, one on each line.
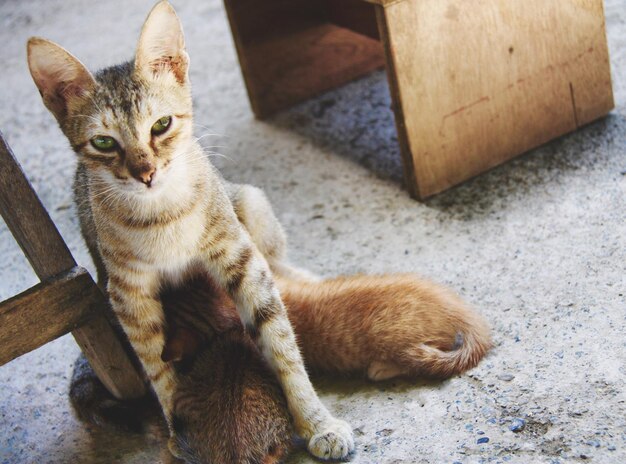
<point>383,326</point>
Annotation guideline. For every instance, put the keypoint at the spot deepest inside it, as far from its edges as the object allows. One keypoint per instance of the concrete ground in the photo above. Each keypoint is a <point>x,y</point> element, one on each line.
<point>537,245</point>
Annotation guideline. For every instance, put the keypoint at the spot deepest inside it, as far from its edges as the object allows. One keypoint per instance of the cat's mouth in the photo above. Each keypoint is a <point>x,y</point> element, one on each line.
<point>145,187</point>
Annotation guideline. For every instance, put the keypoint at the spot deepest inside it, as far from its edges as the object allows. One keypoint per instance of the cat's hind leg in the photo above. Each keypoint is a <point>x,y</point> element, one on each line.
<point>384,370</point>
<point>255,213</point>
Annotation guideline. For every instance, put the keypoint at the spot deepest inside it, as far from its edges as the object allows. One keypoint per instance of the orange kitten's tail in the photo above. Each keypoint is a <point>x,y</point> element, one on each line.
<point>471,344</point>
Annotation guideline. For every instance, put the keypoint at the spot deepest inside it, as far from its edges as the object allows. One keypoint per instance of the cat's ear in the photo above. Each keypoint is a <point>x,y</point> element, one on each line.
<point>62,80</point>
<point>161,47</point>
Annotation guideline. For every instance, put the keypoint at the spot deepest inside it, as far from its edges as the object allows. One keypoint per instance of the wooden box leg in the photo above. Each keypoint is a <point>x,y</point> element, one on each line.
<point>477,83</point>
<point>291,50</point>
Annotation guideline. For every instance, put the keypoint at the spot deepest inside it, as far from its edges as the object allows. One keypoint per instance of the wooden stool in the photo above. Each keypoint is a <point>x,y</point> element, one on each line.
<point>473,83</point>
<point>67,299</point>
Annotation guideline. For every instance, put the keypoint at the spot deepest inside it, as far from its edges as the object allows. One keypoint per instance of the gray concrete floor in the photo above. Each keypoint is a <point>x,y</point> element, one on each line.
<point>537,245</point>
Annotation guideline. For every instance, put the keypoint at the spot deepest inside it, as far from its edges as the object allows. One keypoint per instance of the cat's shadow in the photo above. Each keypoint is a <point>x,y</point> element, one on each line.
<point>346,386</point>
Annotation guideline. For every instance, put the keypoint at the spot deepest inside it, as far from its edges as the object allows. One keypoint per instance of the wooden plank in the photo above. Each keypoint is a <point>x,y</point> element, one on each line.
<point>115,368</point>
<point>356,15</point>
<point>47,311</point>
<point>49,256</point>
<point>252,20</point>
<point>480,82</point>
<point>289,52</point>
<point>285,70</point>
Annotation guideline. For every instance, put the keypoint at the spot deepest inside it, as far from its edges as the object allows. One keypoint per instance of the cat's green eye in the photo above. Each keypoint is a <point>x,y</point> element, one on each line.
<point>104,143</point>
<point>161,125</point>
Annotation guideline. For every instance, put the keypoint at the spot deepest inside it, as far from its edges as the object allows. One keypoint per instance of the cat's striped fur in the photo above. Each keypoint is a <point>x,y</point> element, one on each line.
<point>161,212</point>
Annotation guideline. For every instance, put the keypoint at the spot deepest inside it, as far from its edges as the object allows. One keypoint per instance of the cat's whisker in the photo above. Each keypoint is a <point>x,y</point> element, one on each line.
<point>208,134</point>
<point>202,126</point>
<point>104,192</point>
<point>211,154</point>
<point>108,201</point>
<point>184,154</point>
<point>192,155</point>
<point>219,155</point>
<point>213,146</point>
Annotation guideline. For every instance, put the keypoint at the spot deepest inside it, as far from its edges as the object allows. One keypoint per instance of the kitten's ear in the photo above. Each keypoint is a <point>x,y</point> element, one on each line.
<point>61,79</point>
<point>161,45</point>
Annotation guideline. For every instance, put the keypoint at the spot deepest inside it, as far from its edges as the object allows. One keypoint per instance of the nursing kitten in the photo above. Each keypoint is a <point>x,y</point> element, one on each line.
<point>227,407</point>
<point>156,211</point>
<point>237,414</point>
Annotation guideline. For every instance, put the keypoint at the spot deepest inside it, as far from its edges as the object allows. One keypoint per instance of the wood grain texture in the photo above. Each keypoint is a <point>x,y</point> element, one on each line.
<point>299,56</point>
<point>29,221</point>
<point>356,15</point>
<point>287,70</point>
<point>46,311</point>
<point>108,358</point>
<point>384,2</point>
<point>410,181</point>
<point>49,256</point>
<point>480,82</point>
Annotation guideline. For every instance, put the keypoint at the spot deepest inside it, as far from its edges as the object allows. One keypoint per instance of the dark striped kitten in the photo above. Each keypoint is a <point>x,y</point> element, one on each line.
<point>228,406</point>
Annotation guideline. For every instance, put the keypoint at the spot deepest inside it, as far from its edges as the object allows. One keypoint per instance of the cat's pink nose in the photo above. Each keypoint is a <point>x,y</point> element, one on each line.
<point>143,171</point>
<point>146,176</point>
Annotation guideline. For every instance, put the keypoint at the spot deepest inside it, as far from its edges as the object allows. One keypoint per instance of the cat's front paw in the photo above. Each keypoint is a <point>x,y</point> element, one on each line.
<point>333,440</point>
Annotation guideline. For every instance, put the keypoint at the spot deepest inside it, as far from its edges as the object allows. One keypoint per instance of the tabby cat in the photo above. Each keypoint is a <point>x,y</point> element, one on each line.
<point>155,211</point>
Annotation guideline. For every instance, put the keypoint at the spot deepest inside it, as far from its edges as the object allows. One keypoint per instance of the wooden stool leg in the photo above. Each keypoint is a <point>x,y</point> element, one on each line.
<point>476,83</point>
<point>47,253</point>
<point>107,357</point>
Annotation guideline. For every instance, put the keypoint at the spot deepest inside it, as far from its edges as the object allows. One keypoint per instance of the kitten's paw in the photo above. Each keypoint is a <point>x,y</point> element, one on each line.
<point>379,370</point>
<point>333,440</point>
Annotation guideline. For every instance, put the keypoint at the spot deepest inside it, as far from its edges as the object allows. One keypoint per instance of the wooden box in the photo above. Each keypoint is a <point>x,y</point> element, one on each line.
<point>473,83</point>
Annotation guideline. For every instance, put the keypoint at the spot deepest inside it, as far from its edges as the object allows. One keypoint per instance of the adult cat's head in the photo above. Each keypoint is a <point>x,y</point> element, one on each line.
<point>131,124</point>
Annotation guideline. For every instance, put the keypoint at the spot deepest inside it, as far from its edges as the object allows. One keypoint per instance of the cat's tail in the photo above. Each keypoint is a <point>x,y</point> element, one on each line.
<point>455,337</point>
<point>472,342</point>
